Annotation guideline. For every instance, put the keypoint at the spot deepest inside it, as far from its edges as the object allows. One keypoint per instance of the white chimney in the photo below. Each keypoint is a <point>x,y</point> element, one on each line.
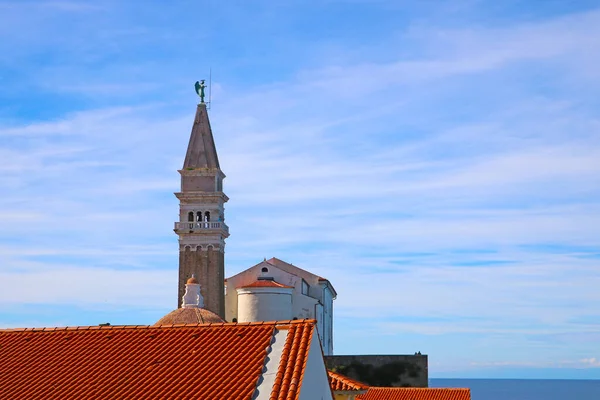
<point>192,297</point>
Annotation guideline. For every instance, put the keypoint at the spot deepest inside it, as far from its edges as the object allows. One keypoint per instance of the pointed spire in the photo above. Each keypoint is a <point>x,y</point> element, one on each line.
<point>201,152</point>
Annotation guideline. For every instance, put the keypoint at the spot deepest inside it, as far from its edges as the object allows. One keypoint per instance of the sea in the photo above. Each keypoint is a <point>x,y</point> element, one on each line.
<point>525,389</point>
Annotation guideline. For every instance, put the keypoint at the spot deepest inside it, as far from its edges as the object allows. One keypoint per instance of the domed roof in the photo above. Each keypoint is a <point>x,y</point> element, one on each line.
<point>192,280</point>
<point>189,316</point>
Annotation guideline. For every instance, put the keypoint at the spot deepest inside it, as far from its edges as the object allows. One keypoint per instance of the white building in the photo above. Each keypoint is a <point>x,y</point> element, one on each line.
<point>274,290</point>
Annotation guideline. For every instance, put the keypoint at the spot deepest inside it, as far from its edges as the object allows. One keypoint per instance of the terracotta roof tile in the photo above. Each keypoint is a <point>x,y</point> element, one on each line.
<point>400,393</point>
<point>189,316</point>
<point>266,283</point>
<point>339,382</point>
<point>293,362</point>
<point>211,361</point>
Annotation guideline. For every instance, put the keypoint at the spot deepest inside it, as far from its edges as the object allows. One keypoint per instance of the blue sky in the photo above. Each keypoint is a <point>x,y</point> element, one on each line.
<point>438,162</point>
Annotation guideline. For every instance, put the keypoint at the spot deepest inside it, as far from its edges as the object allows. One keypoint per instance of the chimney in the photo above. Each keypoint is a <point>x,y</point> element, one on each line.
<point>192,297</point>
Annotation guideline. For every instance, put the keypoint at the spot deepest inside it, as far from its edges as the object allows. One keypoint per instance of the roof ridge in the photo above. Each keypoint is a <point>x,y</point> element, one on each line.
<point>298,375</point>
<point>123,362</point>
<point>416,388</point>
<point>124,327</point>
<point>292,363</point>
<point>293,266</point>
<point>339,382</point>
<point>265,283</point>
<point>319,277</point>
<point>415,393</point>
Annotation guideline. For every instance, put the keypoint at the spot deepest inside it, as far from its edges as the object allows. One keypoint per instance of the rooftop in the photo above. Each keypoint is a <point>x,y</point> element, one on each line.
<point>201,152</point>
<point>266,283</point>
<point>292,269</point>
<point>151,361</point>
<point>189,316</point>
<point>401,393</point>
<point>341,383</point>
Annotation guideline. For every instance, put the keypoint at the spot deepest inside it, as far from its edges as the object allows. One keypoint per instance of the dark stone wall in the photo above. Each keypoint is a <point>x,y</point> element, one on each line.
<point>208,265</point>
<point>382,370</point>
<point>198,184</point>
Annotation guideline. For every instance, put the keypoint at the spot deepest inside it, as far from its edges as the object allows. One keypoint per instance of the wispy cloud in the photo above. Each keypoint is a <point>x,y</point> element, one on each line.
<point>428,172</point>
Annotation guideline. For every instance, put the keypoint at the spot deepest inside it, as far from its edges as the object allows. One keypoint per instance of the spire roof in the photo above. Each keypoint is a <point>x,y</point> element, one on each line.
<point>201,152</point>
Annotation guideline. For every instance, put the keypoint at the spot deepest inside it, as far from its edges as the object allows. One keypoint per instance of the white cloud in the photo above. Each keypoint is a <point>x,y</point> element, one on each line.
<point>438,184</point>
<point>591,362</point>
<point>86,286</point>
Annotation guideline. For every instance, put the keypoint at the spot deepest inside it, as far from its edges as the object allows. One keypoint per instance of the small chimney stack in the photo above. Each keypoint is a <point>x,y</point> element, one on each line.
<point>192,297</point>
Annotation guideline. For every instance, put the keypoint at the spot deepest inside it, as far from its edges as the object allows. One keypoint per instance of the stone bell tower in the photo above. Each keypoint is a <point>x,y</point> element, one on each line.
<point>201,227</point>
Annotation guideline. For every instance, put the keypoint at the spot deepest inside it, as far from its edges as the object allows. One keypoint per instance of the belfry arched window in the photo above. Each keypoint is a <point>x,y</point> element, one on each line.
<point>207,216</point>
<point>191,219</point>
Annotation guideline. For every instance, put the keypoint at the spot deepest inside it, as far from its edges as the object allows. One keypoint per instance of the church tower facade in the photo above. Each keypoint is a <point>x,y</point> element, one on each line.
<point>201,227</point>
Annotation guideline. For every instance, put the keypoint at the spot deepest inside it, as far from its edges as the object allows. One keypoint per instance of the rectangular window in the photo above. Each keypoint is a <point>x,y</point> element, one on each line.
<point>304,287</point>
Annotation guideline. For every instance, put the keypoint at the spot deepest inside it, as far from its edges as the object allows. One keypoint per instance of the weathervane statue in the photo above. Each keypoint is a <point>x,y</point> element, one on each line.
<point>200,89</point>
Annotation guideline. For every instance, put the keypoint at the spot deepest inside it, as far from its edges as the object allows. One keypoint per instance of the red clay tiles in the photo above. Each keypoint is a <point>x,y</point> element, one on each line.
<point>400,393</point>
<point>213,361</point>
<point>266,283</point>
<point>189,316</point>
<point>293,363</point>
<point>342,383</point>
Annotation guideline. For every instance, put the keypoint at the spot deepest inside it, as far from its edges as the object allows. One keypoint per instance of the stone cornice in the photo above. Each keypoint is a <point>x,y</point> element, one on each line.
<point>203,197</point>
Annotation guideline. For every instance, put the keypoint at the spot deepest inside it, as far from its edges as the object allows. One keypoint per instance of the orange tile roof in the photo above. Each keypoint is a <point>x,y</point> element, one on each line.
<point>210,361</point>
<point>340,382</point>
<point>293,363</point>
<point>401,393</point>
<point>266,283</point>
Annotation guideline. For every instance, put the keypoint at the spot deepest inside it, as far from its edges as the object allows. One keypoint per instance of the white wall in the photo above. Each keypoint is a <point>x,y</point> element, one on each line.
<point>264,304</point>
<point>315,384</point>
<point>250,276</point>
<point>267,379</point>
<point>327,321</point>
<point>302,306</point>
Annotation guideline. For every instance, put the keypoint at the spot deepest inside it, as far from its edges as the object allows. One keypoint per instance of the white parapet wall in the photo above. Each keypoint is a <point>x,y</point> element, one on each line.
<point>264,304</point>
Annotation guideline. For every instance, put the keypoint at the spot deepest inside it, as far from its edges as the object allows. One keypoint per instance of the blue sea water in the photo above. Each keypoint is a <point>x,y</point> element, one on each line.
<point>525,389</point>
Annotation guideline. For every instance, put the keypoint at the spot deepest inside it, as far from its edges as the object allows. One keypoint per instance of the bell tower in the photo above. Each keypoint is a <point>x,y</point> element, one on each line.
<point>201,227</point>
